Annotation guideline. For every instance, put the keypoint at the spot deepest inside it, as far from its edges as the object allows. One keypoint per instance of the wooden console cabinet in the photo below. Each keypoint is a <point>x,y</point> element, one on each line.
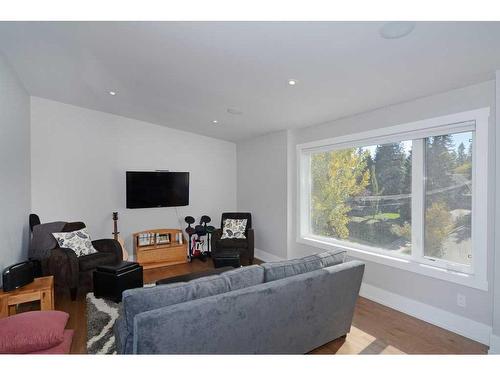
<point>42,289</point>
<point>159,248</point>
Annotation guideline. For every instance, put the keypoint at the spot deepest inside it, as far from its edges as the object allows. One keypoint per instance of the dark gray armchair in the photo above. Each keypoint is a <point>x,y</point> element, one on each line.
<point>68,269</point>
<point>245,247</point>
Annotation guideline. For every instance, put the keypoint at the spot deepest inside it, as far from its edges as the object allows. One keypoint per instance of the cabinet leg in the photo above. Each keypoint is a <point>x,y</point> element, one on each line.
<point>12,310</point>
<point>46,301</point>
<point>4,308</point>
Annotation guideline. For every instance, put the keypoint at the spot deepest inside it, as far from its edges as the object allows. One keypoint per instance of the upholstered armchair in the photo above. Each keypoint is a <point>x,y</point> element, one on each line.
<point>245,247</point>
<point>68,269</point>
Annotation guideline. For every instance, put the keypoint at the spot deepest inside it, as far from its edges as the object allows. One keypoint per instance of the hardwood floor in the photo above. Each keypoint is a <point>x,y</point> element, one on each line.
<point>376,329</point>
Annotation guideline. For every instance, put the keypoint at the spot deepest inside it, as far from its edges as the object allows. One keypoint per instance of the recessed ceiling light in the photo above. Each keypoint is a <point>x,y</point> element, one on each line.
<point>396,29</point>
<point>215,122</point>
<point>234,111</point>
<point>292,82</point>
<point>112,93</point>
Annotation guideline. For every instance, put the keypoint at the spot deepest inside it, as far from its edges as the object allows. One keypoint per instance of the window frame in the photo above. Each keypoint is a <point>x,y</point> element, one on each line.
<point>476,121</point>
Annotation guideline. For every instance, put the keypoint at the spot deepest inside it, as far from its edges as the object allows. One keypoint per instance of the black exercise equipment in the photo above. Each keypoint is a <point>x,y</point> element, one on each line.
<point>199,231</point>
<point>209,229</point>
<point>189,230</point>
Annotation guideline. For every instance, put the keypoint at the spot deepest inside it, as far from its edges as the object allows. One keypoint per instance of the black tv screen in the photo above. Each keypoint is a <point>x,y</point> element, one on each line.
<point>157,189</point>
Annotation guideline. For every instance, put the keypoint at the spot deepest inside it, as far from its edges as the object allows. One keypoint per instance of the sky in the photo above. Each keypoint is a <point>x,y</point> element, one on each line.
<point>457,139</point>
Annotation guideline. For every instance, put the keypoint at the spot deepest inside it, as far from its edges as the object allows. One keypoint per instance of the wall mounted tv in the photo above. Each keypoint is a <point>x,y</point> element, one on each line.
<point>157,189</point>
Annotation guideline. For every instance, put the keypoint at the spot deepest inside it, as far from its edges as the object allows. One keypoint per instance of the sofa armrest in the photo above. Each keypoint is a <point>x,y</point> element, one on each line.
<point>63,265</point>
<point>109,245</point>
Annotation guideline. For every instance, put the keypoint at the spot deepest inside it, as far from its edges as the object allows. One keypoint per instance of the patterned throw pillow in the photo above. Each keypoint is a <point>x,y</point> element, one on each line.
<point>234,228</point>
<point>78,241</point>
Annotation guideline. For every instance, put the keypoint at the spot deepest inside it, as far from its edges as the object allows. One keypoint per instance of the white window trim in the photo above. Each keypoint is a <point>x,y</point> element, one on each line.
<point>477,276</point>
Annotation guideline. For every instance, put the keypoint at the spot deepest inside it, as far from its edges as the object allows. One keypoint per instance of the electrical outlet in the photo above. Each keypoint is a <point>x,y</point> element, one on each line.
<point>461,301</point>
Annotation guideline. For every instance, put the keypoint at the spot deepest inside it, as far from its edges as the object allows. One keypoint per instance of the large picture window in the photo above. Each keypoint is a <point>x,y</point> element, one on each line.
<point>363,195</point>
<point>411,193</point>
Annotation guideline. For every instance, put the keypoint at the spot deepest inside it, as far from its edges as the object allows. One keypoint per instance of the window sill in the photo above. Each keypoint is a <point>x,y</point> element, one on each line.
<point>407,264</point>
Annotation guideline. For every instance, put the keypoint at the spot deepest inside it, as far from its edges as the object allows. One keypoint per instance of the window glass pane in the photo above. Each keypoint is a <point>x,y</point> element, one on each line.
<point>448,197</point>
<point>363,195</point>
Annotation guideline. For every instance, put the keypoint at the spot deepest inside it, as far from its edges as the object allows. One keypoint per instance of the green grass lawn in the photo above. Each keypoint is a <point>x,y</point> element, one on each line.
<point>387,216</point>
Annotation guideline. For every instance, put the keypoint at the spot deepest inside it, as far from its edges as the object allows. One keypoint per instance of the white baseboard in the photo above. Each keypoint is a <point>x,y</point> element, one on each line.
<point>494,344</point>
<point>265,256</point>
<point>452,322</point>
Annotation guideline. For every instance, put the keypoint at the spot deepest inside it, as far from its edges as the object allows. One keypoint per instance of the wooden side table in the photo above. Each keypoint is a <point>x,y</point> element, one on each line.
<point>41,289</point>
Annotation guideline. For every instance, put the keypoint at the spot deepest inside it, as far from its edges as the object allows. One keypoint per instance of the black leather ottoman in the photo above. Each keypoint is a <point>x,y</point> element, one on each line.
<point>226,258</point>
<point>111,281</point>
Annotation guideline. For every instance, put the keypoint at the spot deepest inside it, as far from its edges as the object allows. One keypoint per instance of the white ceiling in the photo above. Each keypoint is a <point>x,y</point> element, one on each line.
<point>186,74</point>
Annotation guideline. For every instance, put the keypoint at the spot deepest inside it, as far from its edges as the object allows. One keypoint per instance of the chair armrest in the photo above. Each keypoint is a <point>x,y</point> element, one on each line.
<point>63,265</point>
<point>216,235</point>
<point>251,245</point>
<point>109,245</point>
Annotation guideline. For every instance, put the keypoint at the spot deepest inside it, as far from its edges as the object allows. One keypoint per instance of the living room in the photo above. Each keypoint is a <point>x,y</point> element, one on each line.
<point>177,186</point>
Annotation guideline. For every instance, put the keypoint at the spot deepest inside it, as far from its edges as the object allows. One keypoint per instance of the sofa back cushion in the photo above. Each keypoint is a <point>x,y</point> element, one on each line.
<point>139,300</point>
<point>244,277</point>
<point>279,270</point>
<point>136,301</point>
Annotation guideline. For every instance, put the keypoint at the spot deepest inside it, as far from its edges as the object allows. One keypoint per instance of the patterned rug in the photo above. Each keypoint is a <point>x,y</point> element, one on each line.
<point>101,317</point>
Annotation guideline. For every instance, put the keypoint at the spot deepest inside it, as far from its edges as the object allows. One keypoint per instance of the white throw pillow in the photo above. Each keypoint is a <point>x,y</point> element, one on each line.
<point>78,241</point>
<point>234,228</point>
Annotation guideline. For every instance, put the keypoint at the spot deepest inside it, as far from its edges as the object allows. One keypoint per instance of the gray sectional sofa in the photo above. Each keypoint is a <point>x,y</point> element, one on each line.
<point>284,307</point>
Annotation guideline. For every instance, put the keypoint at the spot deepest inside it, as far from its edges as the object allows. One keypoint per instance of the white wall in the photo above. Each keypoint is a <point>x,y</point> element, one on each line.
<point>14,167</point>
<point>79,159</point>
<point>262,168</point>
<point>495,338</point>
<point>438,295</point>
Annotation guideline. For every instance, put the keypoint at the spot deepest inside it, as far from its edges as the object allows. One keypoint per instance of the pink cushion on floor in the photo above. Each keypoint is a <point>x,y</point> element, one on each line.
<point>32,331</point>
<point>63,348</point>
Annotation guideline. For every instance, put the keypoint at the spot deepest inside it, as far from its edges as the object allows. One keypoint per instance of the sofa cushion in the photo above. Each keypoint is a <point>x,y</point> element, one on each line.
<point>32,331</point>
<point>279,270</point>
<point>244,277</point>
<point>92,261</point>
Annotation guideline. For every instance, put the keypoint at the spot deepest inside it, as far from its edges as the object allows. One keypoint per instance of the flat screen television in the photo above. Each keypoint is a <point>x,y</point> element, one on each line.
<point>157,189</point>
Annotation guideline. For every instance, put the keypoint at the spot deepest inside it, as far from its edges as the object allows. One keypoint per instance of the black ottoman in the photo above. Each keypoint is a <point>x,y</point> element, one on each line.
<point>111,281</point>
<point>226,258</point>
